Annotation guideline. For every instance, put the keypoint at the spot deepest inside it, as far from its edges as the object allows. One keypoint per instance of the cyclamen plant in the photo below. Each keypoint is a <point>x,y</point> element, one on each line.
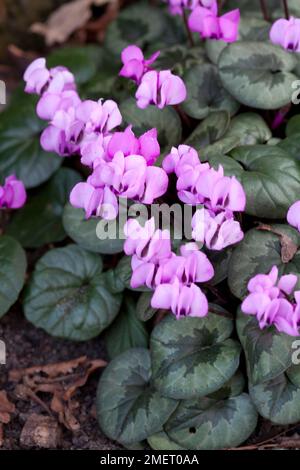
<point>202,117</point>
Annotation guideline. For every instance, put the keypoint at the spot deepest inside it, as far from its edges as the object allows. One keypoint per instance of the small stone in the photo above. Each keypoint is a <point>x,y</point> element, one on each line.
<point>41,431</point>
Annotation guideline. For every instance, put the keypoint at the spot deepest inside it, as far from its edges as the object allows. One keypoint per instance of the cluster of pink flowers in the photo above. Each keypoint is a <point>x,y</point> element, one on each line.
<point>274,301</point>
<point>172,277</point>
<point>12,193</point>
<point>71,120</point>
<point>121,163</point>
<point>286,33</point>
<point>221,196</point>
<point>159,88</point>
<point>204,19</point>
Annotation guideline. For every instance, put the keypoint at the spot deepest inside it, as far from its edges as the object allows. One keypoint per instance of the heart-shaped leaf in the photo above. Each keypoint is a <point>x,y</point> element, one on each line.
<point>250,128</point>
<point>144,311</point>
<point>166,121</point>
<point>88,233</point>
<point>180,58</point>
<point>138,24</point>
<point>265,171</point>
<point>67,296</point>
<point>277,400</point>
<point>207,424</point>
<point>20,150</point>
<point>83,62</point>
<point>293,126</point>
<point>40,221</point>
<point>257,253</point>
<point>193,357</point>
<point>205,92</point>
<point>13,266</point>
<point>258,74</point>
<point>127,331</point>
<point>268,352</point>
<point>129,408</point>
<point>209,130</point>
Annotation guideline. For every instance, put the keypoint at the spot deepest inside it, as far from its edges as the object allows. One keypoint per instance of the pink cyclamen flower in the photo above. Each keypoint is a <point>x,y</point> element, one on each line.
<point>209,25</point>
<point>13,193</point>
<point>134,63</point>
<point>286,33</point>
<point>182,300</point>
<point>160,89</point>
<point>216,231</point>
<point>293,215</point>
<point>39,79</point>
<point>50,103</point>
<point>181,159</point>
<point>268,300</point>
<point>99,116</point>
<point>146,145</point>
<point>101,202</point>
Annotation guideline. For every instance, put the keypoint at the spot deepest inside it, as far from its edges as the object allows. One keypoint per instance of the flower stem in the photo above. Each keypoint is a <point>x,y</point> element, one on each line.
<point>189,33</point>
<point>264,10</point>
<point>286,9</point>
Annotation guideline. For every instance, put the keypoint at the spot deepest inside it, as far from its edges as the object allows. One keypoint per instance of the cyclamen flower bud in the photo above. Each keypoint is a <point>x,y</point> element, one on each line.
<point>12,194</point>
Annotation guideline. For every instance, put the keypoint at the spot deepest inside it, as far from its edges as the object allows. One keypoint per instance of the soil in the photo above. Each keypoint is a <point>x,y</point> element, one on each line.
<point>28,346</point>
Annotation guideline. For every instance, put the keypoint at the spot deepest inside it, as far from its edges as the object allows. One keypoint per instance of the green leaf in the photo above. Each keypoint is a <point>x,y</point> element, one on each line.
<point>250,128</point>
<point>291,145</point>
<point>161,441</point>
<point>232,388</point>
<point>213,49</point>
<point>208,424</point>
<point>220,261</point>
<point>293,126</point>
<point>166,121</point>
<point>268,352</point>
<point>139,24</point>
<point>83,62</point>
<point>126,332</point>
<point>193,357</point>
<point>254,29</point>
<point>277,400</point>
<point>129,408</point>
<point>258,74</point>
<point>209,130</point>
<point>13,266</point>
<point>257,253</point>
<point>20,150</point>
<point>180,58</point>
<point>269,176</point>
<point>67,296</point>
<point>40,221</point>
<point>205,92</point>
<point>144,311</point>
<point>84,232</point>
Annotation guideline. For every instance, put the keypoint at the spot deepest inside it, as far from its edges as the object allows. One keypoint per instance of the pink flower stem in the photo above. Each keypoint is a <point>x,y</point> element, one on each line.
<point>286,9</point>
<point>189,33</point>
<point>264,10</point>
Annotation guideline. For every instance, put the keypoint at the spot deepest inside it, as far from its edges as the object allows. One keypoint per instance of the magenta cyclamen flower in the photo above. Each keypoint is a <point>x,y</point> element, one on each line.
<point>161,89</point>
<point>293,215</point>
<point>182,300</point>
<point>39,79</point>
<point>206,22</point>
<point>172,277</point>
<point>286,33</point>
<point>147,145</point>
<point>134,63</point>
<point>216,231</point>
<point>12,194</point>
<point>268,299</point>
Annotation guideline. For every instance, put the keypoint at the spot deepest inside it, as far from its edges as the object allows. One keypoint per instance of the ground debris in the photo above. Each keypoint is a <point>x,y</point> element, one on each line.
<point>6,409</point>
<point>61,380</point>
<point>41,431</point>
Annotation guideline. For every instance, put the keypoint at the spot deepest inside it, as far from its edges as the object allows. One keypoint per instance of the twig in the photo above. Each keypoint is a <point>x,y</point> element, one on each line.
<point>188,31</point>
<point>264,10</point>
<point>286,9</point>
